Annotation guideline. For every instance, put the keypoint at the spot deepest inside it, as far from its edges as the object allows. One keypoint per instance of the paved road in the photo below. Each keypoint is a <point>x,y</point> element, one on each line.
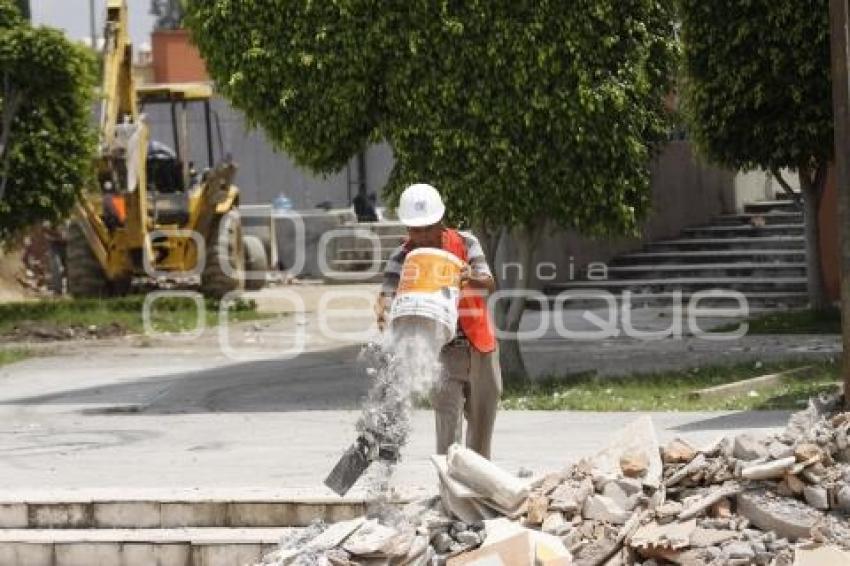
<point>169,413</point>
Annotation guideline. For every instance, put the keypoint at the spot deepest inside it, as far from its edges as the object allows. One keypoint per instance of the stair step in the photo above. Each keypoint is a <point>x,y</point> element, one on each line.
<point>754,242</point>
<point>708,270</point>
<point>758,301</point>
<point>712,231</point>
<point>689,284</point>
<point>718,256</point>
<point>771,205</point>
<point>770,218</point>
<point>138,547</point>
<point>234,510</point>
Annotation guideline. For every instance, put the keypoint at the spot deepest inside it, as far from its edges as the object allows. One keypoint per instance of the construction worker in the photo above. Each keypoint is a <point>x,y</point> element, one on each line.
<point>471,383</point>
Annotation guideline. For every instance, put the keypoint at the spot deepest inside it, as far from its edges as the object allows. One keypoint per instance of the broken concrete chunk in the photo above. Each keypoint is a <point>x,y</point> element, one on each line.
<point>816,496</point>
<point>538,507</point>
<point>670,536</point>
<point>688,469</point>
<point>821,556</point>
<point>747,447</point>
<point>668,509</point>
<point>553,523</point>
<point>702,537</point>
<point>468,538</point>
<point>483,476</point>
<point>570,499</point>
<point>721,510</point>
<point>334,535</point>
<point>842,499</point>
<point>807,451</point>
<point>678,452</point>
<point>370,538</point>
<point>516,549</point>
<point>787,517</point>
<point>778,450</point>
<point>769,470</point>
<point>795,484</point>
<point>601,508</point>
<point>634,464</point>
<point>637,438</point>
<point>695,508</point>
<point>739,549</point>
<point>617,494</point>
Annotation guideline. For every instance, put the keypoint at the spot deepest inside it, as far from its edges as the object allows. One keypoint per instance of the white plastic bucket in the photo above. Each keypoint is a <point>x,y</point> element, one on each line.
<point>429,288</point>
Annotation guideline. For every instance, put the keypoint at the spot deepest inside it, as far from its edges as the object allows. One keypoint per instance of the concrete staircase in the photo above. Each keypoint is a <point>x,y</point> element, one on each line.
<point>760,253</point>
<point>360,256</point>
<point>191,530</point>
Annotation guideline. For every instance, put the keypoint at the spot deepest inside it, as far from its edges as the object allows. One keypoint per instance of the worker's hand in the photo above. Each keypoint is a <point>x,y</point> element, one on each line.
<point>465,274</point>
<point>381,307</point>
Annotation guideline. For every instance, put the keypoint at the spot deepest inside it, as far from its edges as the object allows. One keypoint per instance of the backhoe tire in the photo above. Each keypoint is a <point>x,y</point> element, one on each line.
<point>224,245</point>
<point>85,276</point>
<point>256,263</point>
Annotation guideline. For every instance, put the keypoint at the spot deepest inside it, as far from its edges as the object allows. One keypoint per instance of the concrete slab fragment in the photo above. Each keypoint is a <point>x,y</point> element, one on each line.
<point>821,556</point>
<point>785,516</point>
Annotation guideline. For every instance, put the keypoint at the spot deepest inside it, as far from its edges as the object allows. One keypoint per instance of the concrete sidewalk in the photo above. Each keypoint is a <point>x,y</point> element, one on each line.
<point>61,450</point>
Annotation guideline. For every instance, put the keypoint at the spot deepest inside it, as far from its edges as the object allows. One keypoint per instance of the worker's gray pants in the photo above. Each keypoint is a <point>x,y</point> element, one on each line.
<point>471,384</point>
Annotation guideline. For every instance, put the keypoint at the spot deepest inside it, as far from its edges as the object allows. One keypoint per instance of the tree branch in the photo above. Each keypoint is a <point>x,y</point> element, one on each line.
<point>785,186</point>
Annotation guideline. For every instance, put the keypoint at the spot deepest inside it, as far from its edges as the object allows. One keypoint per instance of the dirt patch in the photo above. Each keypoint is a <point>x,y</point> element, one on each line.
<point>38,331</point>
<point>11,274</point>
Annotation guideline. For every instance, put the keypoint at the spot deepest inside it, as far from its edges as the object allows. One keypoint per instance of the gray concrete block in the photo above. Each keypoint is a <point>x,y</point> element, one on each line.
<point>194,515</point>
<point>13,516</point>
<point>130,515</point>
<point>138,554</point>
<point>342,512</point>
<point>87,554</point>
<point>26,554</point>
<point>59,515</point>
<point>266,515</point>
<point>228,554</point>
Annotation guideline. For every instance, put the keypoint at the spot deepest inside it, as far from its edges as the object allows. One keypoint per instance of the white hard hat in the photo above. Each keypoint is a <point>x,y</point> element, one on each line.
<point>420,205</point>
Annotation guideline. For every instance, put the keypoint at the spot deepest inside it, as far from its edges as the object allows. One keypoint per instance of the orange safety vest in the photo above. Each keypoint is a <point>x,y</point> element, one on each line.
<point>473,316</point>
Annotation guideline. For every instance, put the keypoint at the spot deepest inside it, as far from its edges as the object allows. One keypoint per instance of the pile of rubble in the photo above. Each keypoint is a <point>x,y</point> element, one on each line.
<point>777,500</point>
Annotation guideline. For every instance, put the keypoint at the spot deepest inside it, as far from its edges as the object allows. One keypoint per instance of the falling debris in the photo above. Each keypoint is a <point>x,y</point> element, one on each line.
<point>780,500</point>
<point>405,366</point>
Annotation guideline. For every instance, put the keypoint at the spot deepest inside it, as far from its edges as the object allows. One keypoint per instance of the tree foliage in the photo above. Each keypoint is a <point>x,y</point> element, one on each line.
<point>757,94</point>
<point>46,136</point>
<point>757,89</point>
<point>519,112</point>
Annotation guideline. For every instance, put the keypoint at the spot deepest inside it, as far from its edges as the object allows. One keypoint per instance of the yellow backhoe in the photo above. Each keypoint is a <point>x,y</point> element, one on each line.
<point>151,214</point>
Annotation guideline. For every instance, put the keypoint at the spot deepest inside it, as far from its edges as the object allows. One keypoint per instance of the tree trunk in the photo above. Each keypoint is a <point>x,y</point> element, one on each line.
<point>840,56</point>
<point>812,189</point>
<point>12,100</point>
<point>509,312</point>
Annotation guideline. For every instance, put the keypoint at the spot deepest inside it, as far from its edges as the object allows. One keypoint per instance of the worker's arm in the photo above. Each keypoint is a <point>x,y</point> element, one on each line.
<point>476,274</point>
<point>477,279</point>
<point>382,307</point>
<point>392,275</point>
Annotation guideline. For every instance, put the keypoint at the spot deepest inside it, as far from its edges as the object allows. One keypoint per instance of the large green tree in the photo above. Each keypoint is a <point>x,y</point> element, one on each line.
<point>46,135</point>
<point>757,94</point>
<point>525,115</point>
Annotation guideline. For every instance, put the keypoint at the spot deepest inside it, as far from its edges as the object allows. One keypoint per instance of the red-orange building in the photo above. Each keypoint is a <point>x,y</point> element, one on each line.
<point>175,58</point>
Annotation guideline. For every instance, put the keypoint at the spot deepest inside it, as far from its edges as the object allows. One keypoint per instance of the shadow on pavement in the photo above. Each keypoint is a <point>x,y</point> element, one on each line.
<point>743,419</point>
<point>331,379</point>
